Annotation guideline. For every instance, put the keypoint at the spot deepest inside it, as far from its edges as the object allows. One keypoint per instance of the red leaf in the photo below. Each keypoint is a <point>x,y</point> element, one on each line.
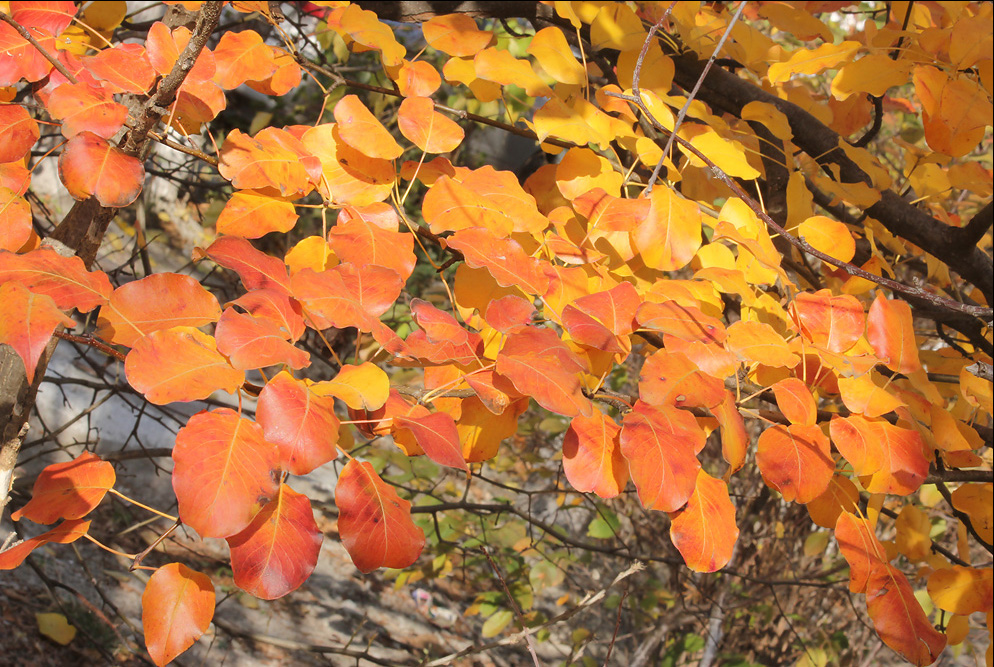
<point>374,522</point>
<point>65,279</point>
<point>899,619</point>
<point>684,322</point>
<point>796,402</point>
<point>64,533</point>
<point>361,130</point>
<point>179,364</point>
<point>436,434</point>
<point>661,445</point>
<point>274,158</point>
<point>506,261</point>
<point>592,458</point>
<point>256,269</point>
<point>68,490</point>
<point>368,235</point>
<point>299,422</point>
<point>437,324</point>
<point>251,343</point>
<point>796,461</point>
<point>123,68</point>
<point>177,608</point>
<point>833,322</point>
<point>540,365</point>
<point>225,471</point>
<point>18,132</point>
<point>347,295</point>
<point>704,532</point>
<point>53,17</point>
<point>279,549</point>
<point>89,166</point>
<point>156,302</point>
<point>890,330</point>
<point>28,322</point>
<point>509,313</point>
<point>276,306</point>
<point>85,108</point>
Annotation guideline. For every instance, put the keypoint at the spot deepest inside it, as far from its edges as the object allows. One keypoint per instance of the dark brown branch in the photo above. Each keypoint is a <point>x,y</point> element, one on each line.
<point>971,233</point>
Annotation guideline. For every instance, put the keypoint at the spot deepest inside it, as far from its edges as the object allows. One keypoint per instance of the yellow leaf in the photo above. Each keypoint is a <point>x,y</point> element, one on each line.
<point>874,75</point>
<point>961,590</point>
<point>829,236</point>
<point>913,533</point>
<point>804,61</point>
<point>550,48</point>
<point>361,387</point>
<point>798,22</point>
<point>56,628</point>
<point>767,114</point>
<point>312,252</point>
<point>617,27</point>
<point>727,154</point>
<point>582,170</point>
<point>977,500</point>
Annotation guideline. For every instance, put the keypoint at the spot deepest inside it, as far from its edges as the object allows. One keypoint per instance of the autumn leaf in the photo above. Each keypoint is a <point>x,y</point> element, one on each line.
<point>91,167</point>
<point>177,608</point>
<point>426,128</point>
<point>28,323</point>
<point>66,532</point>
<point>704,532</point>
<point>592,458</point>
<point>361,130</point>
<point>795,460</point>
<point>18,132</point>
<point>374,522</point>
<point>68,490</point>
<point>299,421</point>
<point>540,365</point>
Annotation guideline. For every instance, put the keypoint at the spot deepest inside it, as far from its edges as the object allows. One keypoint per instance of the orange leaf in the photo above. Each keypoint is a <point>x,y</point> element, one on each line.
<point>225,471</point>
<point>437,324</point>
<point>18,132</point>
<point>53,17</point>
<point>177,608</point>
<point>300,422</point>
<point>349,176</point>
<point>365,28</point>
<point>436,434</point>
<point>28,322</point>
<point>758,341</point>
<point>360,129</point>
<point>540,365</point>
<point>179,364</point>
<point>240,57</point>
<point>275,306</point>
<point>64,533</point>
<point>20,59</point>
<point>661,444</point>
<point>347,295</point>
<point>156,302</point>
<point>704,532</point>
<point>251,343</point>
<point>505,259</point>
<point>898,617</point>
<point>592,458</point>
<point>416,79</point>
<point>253,214</point>
<point>374,522</point>
<point>861,549</point>
<point>550,48</point>
<point>369,235</point>
<point>279,549</point>
<point>452,206</point>
<point>65,279</point>
<point>796,402</point>
<point>671,235</point>
<point>890,330</point>
<point>89,166</point>
<point>274,158</point>
<point>829,236</point>
<point>68,490</point>
<point>840,496</point>
<point>670,378</point>
<point>604,319</point>
<point>509,313</point>
<point>833,322</point>
<point>904,466</point>
<point>123,68</point>
<point>426,128</point>
<point>15,220</point>
<point>256,269</point>
<point>685,322</point>
<point>455,34</point>
<point>796,461</point>
<point>862,396</point>
<point>734,439</point>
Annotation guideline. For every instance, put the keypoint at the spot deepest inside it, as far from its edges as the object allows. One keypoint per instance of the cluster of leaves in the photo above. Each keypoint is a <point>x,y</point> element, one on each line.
<point>563,280</point>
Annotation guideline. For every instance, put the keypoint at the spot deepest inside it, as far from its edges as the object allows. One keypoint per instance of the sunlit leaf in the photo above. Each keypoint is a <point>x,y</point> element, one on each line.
<point>796,402</point>
<point>68,490</point>
<point>503,258</point>
<point>362,387</point>
<point>242,56</point>
<point>426,128</point>
<point>177,608</point>
<point>704,532</point>
<point>28,322</point>
<point>277,552</point>
<point>592,458</point>
<point>962,590</point>
<point>540,365</point>
<point>833,322</point>
<point>18,132</point>
<point>89,166</point>
<point>300,422</point>
<point>256,269</point>
<point>795,460</point>
<point>361,130</point>
<point>898,617</point>
<point>374,522</point>
<point>436,434</point>
<point>274,158</point>
<point>65,279</point>
<point>890,330</point>
<point>253,214</point>
<point>369,235</point>
<point>455,34</point>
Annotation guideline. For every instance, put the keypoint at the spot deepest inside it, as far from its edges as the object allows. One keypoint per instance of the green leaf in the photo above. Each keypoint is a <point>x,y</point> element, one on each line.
<point>496,623</point>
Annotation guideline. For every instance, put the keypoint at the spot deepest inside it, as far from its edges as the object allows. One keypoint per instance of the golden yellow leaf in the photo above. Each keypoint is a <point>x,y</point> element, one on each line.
<point>55,627</point>
<point>829,236</point>
<point>363,387</point>
<point>550,48</point>
<point>874,75</point>
<point>767,114</point>
<point>727,154</point>
<point>804,61</point>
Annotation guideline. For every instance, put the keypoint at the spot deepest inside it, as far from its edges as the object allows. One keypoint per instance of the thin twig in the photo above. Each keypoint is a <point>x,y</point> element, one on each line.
<point>23,32</point>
